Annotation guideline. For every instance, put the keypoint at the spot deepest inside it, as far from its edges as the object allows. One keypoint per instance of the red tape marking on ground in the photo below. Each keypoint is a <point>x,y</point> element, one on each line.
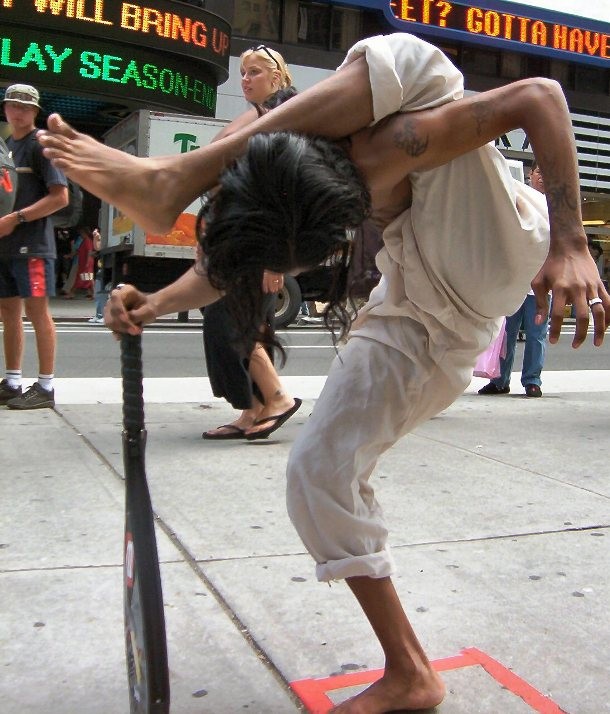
<point>312,692</point>
<point>538,702</point>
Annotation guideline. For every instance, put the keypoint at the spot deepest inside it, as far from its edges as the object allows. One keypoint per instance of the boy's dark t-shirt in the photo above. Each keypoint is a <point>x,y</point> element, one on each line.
<point>34,239</point>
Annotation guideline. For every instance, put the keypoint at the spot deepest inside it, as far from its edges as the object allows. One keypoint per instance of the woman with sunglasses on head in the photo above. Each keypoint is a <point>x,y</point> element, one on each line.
<point>242,374</point>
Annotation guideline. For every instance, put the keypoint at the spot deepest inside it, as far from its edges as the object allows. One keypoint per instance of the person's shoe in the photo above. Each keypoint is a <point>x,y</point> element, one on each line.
<point>96,320</point>
<point>533,390</point>
<point>35,397</point>
<point>7,392</point>
<point>491,388</point>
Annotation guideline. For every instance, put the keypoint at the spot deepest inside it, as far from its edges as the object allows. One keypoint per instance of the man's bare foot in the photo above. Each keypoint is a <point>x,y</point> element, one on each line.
<point>393,693</point>
<point>148,190</point>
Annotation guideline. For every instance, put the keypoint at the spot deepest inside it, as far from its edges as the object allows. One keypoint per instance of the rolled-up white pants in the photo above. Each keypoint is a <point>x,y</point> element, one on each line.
<point>374,394</point>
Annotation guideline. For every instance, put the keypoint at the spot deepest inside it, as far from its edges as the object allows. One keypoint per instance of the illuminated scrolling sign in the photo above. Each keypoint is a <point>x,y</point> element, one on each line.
<point>82,65</point>
<point>161,53</point>
<point>503,24</point>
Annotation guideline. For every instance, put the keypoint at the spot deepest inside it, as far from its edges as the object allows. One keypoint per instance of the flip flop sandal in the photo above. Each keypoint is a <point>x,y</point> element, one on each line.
<point>274,421</point>
<point>234,433</point>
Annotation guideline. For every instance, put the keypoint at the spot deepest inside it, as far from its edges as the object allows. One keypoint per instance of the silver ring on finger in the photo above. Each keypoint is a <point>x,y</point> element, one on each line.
<point>595,301</point>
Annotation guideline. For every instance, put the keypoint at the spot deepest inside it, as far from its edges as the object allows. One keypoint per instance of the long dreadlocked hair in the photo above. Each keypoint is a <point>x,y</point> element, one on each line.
<point>285,205</point>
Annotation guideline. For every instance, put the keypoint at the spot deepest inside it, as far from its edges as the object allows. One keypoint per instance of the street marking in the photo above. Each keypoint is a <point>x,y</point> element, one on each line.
<point>312,692</point>
<point>182,390</point>
<point>79,327</point>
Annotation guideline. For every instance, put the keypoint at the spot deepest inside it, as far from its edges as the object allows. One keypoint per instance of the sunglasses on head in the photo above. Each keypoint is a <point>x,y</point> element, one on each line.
<point>265,49</point>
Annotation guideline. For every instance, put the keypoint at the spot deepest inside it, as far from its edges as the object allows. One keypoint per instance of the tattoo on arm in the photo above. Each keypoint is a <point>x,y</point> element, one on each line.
<point>482,112</point>
<point>561,204</point>
<point>407,138</point>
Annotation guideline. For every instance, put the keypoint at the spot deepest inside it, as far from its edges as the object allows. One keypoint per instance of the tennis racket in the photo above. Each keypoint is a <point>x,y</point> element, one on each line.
<point>145,642</point>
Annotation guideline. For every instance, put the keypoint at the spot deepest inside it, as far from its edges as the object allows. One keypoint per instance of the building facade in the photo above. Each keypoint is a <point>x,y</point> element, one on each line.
<point>493,42</point>
<point>97,60</point>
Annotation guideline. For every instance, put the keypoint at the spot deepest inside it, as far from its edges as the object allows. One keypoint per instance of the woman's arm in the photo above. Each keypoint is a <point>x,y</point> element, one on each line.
<point>128,309</point>
<point>243,120</point>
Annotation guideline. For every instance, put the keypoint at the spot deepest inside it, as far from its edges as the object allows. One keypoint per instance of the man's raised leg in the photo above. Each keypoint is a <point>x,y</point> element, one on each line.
<point>409,682</point>
<point>153,191</point>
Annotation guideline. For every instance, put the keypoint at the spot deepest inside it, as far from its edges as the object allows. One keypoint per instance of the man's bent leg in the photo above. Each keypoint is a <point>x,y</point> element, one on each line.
<point>374,394</point>
<point>409,682</point>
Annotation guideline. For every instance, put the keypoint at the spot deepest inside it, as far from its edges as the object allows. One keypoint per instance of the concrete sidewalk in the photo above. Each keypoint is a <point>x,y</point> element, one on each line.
<point>499,518</point>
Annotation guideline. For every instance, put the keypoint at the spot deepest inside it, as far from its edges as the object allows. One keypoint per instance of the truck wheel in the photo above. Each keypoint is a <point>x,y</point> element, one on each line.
<point>288,302</point>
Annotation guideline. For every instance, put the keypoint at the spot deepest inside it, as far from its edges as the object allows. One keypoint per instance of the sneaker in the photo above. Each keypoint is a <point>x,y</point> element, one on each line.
<point>7,392</point>
<point>34,397</point>
<point>491,389</point>
<point>533,390</point>
<point>96,320</point>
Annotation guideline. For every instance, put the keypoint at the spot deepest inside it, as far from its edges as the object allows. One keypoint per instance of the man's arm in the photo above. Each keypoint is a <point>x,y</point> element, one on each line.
<point>423,140</point>
<point>56,198</point>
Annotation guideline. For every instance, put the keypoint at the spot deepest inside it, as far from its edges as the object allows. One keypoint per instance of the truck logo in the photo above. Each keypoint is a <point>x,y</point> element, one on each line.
<point>187,142</point>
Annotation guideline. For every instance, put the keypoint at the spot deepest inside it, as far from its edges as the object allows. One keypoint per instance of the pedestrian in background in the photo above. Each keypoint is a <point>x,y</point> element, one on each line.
<point>246,378</point>
<point>99,288</point>
<point>27,254</point>
<point>597,253</point>
<point>524,320</point>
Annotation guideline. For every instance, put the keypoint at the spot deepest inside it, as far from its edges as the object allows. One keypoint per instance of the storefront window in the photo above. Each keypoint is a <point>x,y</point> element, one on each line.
<point>346,29</point>
<point>590,79</point>
<point>479,61</point>
<point>313,24</point>
<point>320,25</point>
<point>562,72</point>
<point>257,18</point>
<point>511,65</point>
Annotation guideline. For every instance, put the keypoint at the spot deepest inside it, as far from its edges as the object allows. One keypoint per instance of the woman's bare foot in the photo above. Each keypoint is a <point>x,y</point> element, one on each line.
<point>151,191</point>
<point>244,422</point>
<point>393,693</point>
<point>276,407</point>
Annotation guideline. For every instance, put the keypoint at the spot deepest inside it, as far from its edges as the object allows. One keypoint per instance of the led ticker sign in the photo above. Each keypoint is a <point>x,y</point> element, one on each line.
<point>158,53</point>
<point>158,24</point>
<point>79,65</point>
<point>502,24</point>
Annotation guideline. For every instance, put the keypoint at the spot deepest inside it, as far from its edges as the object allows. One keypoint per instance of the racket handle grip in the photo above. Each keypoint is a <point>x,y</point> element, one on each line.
<point>131,373</point>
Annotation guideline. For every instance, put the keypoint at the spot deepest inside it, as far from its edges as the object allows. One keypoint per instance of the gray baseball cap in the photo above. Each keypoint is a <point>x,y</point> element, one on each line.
<point>22,94</point>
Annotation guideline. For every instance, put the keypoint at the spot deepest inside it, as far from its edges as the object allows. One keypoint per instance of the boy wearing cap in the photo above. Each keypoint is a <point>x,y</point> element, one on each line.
<point>27,253</point>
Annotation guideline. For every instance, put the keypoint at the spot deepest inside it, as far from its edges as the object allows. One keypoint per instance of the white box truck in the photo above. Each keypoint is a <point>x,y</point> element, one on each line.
<point>151,261</point>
